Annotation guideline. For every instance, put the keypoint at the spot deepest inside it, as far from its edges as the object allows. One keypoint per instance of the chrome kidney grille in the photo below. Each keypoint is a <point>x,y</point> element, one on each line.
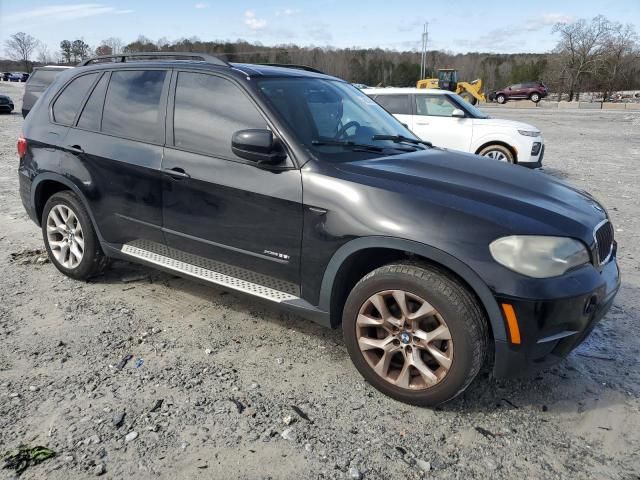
<point>603,235</point>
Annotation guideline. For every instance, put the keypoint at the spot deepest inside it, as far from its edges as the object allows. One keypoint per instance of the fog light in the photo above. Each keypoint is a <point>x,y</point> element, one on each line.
<point>535,150</point>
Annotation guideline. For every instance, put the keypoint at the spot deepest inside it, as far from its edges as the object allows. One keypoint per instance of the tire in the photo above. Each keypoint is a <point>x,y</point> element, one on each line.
<point>534,97</point>
<point>469,98</point>
<point>498,152</point>
<point>455,310</point>
<point>78,236</point>
<point>501,99</point>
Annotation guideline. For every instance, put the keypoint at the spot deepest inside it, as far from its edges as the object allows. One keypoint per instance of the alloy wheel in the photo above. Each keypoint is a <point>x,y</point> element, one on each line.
<point>65,236</point>
<point>404,339</point>
<point>496,155</point>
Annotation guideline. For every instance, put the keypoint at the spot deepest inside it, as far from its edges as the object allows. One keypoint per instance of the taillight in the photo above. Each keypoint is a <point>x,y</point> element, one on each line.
<point>22,147</point>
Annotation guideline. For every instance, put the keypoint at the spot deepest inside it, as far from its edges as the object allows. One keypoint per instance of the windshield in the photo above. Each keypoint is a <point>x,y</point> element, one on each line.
<point>333,119</point>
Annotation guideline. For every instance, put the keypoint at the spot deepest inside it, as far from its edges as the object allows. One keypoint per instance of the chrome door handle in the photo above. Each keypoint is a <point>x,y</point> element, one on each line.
<point>75,148</point>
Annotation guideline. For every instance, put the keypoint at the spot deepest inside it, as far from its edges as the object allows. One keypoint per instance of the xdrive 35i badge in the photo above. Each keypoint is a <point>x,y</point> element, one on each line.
<point>283,256</point>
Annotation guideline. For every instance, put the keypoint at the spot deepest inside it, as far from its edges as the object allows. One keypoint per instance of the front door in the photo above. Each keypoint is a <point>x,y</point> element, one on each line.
<point>434,122</point>
<point>217,205</point>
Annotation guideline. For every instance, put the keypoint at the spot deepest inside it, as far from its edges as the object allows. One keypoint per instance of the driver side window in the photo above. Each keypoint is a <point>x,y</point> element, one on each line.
<point>434,105</point>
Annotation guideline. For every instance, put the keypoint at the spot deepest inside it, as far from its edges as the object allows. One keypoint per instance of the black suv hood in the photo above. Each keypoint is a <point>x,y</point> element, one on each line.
<point>499,192</point>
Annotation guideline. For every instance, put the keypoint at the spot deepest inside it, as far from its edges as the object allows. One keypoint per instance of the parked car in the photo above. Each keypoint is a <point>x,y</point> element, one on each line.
<point>19,77</point>
<point>534,91</point>
<point>39,80</point>
<point>296,188</point>
<point>6,104</point>
<point>5,76</point>
<point>446,120</point>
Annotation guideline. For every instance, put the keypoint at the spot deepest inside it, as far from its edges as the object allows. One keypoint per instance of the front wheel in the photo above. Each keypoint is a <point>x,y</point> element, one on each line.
<point>69,237</point>
<point>497,152</point>
<point>501,99</point>
<point>415,333</point>
<point>535,97</point>
<point>469,98</point>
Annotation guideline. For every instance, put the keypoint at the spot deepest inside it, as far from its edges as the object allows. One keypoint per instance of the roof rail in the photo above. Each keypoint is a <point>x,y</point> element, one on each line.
<point>122,57</point>
<point>293,65</point>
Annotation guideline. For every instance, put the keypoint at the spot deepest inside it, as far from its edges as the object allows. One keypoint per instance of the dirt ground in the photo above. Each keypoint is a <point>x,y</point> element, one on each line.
<point>223,386</point>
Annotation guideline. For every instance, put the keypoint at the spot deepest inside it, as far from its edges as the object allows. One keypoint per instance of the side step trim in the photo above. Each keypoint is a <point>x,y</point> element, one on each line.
<point>204,269</point>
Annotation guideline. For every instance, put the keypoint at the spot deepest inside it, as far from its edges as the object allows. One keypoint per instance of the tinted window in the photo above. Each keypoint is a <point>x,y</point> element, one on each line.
<point>517,86</point>
<point>44,77</point>
<point>208,110</point>
<point>68,103</point>
<point>398,104</point>
<point>132,107</point>
<point>434,105</point>
<point>92,111</point>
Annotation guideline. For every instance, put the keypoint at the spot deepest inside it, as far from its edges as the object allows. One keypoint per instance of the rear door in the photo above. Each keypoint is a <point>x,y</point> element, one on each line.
<point>217,205</point>
<point>399,105</point>
<point>114,152</point>
<point>435,124</point>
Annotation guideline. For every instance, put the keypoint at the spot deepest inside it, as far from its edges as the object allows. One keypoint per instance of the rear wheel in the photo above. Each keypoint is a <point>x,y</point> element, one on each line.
<point>69,237</point>
<point>497,152</point>
<point>535,97</point>
<point>415,333</point>
<point>501,98</point>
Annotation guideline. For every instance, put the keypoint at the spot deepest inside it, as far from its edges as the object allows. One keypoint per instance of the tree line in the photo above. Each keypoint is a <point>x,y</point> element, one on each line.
<point>591,55</point>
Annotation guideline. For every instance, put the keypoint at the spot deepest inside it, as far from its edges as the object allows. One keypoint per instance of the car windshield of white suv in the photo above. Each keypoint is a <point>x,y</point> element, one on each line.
<point>335,119</point>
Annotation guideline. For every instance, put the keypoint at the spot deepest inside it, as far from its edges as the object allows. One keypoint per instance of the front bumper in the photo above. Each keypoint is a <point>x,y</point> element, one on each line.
<point>528,158</point>
<point>550,329</point>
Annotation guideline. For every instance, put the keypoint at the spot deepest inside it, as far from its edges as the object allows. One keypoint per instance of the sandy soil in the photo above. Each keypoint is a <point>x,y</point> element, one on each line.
<point>233,388</point>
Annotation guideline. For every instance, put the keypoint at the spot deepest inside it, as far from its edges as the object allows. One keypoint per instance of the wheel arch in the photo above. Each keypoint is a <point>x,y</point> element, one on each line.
<point>49,183</point>
<point>501,143</point>
<point>332,294</point>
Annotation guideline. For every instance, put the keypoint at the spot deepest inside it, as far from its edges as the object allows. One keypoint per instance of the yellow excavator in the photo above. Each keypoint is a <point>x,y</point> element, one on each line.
<point>448,80</point>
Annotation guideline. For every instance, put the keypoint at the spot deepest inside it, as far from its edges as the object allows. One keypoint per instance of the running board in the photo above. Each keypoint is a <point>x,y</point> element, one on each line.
<point>218,273</point>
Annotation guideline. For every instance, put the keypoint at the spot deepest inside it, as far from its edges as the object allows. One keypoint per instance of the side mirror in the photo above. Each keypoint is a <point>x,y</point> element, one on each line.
<point>258,145</point>
<point>457,113</point>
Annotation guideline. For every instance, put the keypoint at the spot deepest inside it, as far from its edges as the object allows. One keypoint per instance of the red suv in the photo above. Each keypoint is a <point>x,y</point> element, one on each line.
<point>534,91</point>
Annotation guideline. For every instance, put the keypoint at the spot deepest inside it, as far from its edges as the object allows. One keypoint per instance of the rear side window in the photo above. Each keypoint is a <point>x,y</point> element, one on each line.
<point>43,77</point>
<point>396,104</point>
<point>208,110</point>
<point>92,111</point>
<point>132,105</point>
<point>68,102</point>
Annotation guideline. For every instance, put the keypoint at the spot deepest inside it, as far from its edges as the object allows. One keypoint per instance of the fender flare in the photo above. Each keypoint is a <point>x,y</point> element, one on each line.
<point>431,253</point>
<point>56,177</point>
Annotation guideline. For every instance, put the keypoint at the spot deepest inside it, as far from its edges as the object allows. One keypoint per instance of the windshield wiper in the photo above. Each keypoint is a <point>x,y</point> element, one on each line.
<point>349,144</point>
<point>402,139</point>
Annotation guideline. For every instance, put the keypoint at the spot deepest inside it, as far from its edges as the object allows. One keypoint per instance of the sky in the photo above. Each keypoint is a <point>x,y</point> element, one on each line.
<point>501,26</point>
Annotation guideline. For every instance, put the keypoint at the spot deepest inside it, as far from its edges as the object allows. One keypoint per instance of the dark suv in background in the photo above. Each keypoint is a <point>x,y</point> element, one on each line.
<point>534,91</point>
<point>38,82</point>
<point>295,187</point>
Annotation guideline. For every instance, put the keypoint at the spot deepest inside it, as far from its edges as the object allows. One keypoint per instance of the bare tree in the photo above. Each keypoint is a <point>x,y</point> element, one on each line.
<point>114,43</point>
<point>620,55</point>
<point>44,56</point>
<point>20,47</point>
<point>581,48</point>
<point>104,50</point>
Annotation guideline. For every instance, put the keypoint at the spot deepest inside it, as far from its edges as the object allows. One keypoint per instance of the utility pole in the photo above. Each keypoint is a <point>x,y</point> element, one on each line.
<point>423,59</point>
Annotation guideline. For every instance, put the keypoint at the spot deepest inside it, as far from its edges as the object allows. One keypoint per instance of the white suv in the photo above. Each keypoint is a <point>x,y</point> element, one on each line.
<point>446,120</point>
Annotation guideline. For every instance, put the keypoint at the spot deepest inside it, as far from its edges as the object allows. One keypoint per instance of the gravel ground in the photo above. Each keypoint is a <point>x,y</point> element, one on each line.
<point>233,388</point>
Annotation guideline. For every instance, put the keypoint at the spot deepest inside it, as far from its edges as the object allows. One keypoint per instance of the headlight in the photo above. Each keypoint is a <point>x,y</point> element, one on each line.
<point>538,256</point>
<point>529,133</point>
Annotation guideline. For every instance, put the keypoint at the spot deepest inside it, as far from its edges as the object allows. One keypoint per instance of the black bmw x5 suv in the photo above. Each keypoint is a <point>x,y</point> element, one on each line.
<point>295,187</point>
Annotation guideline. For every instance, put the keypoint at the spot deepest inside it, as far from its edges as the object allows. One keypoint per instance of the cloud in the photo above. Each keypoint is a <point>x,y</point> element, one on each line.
<point>287,12</point>
<point>64,12</point>
<point>319,32</point>
<point>506,38</point>
<point>201,5</point>
<point>253,22</point>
